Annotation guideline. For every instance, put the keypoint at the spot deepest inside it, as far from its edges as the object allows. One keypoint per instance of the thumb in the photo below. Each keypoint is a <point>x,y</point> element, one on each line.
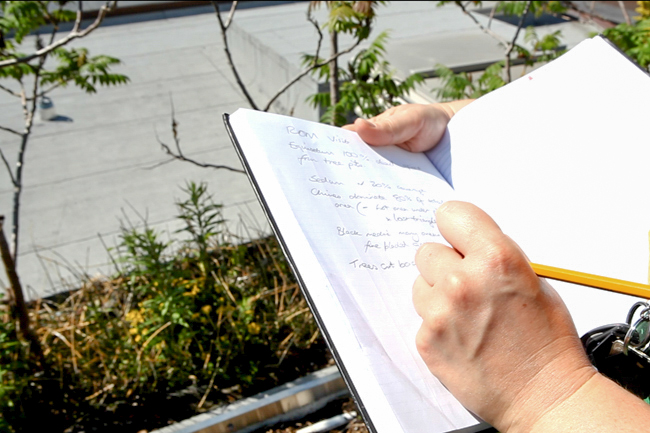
<point>467,227</point>
<point>383,130</point>
<point>414,127</point>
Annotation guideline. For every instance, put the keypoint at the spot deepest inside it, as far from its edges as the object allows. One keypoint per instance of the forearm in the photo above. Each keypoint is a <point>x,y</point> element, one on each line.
<point>600,405</point>
<point>520,365</point>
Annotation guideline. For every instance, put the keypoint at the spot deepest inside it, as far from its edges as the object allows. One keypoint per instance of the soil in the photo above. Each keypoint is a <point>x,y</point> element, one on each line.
<point>63,411</point>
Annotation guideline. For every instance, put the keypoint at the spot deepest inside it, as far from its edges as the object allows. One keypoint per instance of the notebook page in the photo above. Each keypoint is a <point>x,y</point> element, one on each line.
<point>563,167</point>
<point>359,214</point>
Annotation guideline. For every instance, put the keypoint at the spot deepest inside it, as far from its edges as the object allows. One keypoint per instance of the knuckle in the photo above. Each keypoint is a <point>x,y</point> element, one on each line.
<point>500,258</point>
<point>460,290</point>
<point>422,343</point>
<point>426,338</point>
<point>433,332</point>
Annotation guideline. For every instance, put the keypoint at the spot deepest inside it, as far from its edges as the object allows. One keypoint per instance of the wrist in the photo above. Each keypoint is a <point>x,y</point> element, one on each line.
<point>557,383</point>
<point>599,405</point>
<point>451,108</point>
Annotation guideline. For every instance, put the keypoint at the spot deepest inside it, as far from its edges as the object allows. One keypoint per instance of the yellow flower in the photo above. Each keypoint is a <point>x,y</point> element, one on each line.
<point>643,9</point>
<point>206,309</point>
<point>196,315</point>
<point>195,291</point>
<point>137,338</point>
<point>254,328</point>
<point>133,331</point>
<point>134,316</point>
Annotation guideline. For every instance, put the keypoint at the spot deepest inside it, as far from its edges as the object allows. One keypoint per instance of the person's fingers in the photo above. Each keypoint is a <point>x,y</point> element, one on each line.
<point>391,127</point>
<point>434,259</point>
<point>414,127</point>
<point>421,294</point>
<point>429,302</point>
<point>468,228</point>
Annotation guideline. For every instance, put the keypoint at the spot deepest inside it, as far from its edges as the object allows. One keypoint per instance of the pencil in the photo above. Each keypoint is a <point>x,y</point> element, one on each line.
<point>605,283</point>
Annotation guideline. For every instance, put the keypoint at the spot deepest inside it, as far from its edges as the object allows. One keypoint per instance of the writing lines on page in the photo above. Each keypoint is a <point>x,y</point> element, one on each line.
<point>364,211</point>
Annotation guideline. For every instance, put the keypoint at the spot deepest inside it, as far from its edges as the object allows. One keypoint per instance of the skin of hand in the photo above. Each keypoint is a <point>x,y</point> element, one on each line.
<point>497,336</point>
<point>414,127</point>
<point>501,339</point>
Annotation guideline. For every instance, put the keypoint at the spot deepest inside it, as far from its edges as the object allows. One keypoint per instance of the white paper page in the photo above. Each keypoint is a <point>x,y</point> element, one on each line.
<point>564,169</point>
<point>360,216</point>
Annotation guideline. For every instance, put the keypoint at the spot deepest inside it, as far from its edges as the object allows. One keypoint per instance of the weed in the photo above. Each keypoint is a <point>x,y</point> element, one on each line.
<point>205,317</point>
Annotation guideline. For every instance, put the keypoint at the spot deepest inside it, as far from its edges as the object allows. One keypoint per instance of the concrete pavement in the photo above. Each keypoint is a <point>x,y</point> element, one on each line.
<point>85,175</point>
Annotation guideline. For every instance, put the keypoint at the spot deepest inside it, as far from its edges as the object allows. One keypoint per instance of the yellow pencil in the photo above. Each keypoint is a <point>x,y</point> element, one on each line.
<point>605,283</point>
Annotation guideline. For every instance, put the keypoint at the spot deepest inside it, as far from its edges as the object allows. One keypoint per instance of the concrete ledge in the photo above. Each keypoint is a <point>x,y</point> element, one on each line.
<point>287,402</point>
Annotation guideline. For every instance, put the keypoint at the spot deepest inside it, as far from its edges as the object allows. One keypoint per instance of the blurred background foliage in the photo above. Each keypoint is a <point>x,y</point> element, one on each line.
<point>195,313</point>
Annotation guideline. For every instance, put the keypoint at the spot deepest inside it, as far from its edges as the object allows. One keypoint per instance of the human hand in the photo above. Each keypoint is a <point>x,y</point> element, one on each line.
<point>497,336</point>
<point>414,127</point>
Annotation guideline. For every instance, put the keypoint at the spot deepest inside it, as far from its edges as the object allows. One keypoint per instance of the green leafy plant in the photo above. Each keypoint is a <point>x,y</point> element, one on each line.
<point>634,39</point>
<point>72,66</point>
<point>545,49</point>
<point>31,78</point>
<point>349,17</point>
<point>368,86</point>
<point>77,67</point>
<point>537,8</point>
<point>464,85</point>
<point>202,319</point>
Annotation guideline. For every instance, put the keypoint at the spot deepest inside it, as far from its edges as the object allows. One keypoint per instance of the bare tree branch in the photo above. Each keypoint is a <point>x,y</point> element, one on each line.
<point>17,300</point>
<point>625,14</point>
<point>179,155</point>
<point>182,157</point>
<point>48,90</point>
<point>226,48</point>
<point>588,16</point>
<point>77,21</point>
<point>492,12</point>
<point>28,111</point>
<point>481,26</point>
<point>512,44</point>
<point>8,90</point>
<point>308,70</point>
<point>13,131</point>
<point>231,14</point>
<point>311,19</point>
<point>508,45</point>
<point>74,34</point>
<point>11,173</point>
<point>23,97</point>
<point>224,28</point>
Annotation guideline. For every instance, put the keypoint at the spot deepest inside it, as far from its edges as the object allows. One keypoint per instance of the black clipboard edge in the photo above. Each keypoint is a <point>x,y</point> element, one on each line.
<point>623,53</point>
<point>301,283</point>
<point>312,306</point>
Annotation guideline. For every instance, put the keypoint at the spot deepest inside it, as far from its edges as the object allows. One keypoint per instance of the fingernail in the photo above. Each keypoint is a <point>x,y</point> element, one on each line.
<point>369,122</point>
